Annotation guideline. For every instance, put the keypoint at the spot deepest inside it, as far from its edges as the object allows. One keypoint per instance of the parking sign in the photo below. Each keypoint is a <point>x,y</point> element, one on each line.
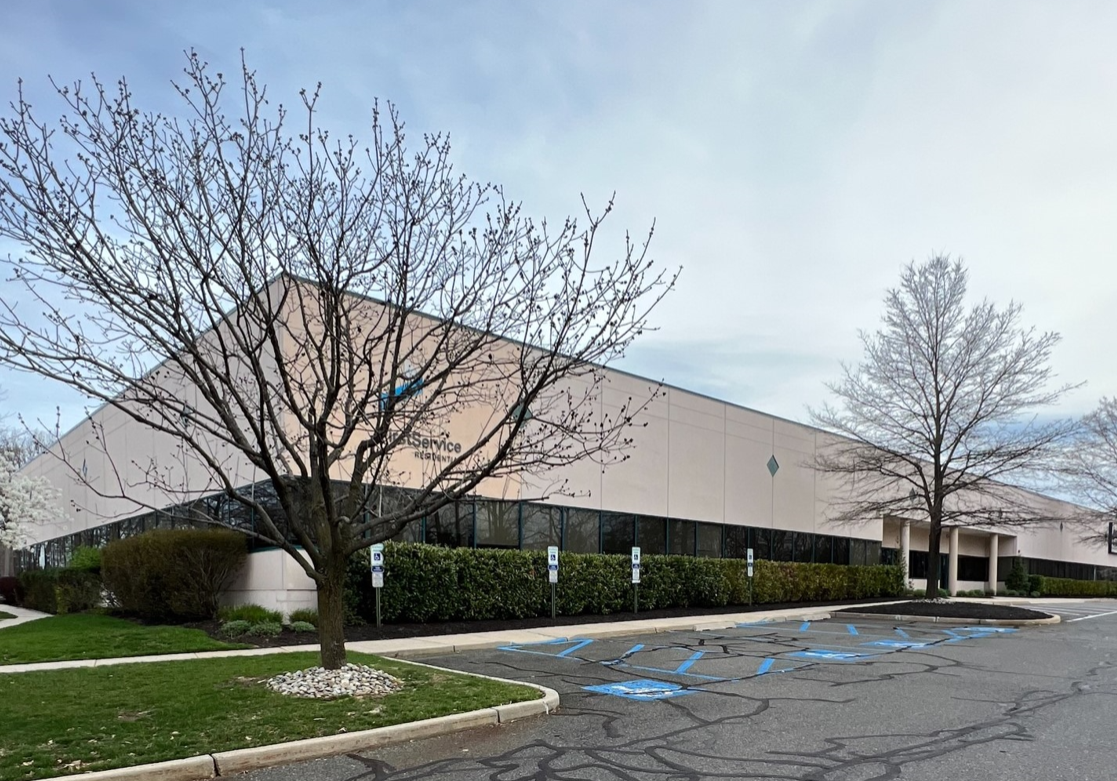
<point>552,564</point>
<point>635,565</point>
<point>376,554</point>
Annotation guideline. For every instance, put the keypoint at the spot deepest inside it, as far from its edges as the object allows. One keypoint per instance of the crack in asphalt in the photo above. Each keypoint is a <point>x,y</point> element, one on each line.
<point>587,739</point>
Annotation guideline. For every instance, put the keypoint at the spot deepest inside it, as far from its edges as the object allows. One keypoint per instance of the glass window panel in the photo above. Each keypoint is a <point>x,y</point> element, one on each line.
<point>782,545</point>
<point>451,525</point>
<point>823,548</point>
<point>498,524</point>
<point>412,532</point>
<point>583,531</point>
<point>736,542</point>
<point>542,526</point>
<point>709,540</point>
<point>680,534</point>
<point>857,552</point>
<point>762,543</point>
<point>841,550</point>
<point>651,534</point>
<point>804,547</point>
<point>872,552</point>
<point>617,533</point>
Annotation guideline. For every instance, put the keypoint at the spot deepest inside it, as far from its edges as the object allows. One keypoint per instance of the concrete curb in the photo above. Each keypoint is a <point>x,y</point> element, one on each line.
<point>189,769</point>
<point>904,619</point>
<point>226,763</point>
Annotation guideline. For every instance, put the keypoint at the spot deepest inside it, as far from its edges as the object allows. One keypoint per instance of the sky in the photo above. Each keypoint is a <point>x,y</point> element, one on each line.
<point>794,156</point>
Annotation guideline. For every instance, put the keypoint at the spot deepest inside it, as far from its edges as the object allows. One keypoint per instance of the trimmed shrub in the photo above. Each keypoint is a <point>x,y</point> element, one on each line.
<point>253,614</point>
<point>1035,584</point>
<point>304,615</point>
<point>86,558</point>
<point>427,583</point>
<point>11,591</point>
<point>302,627</point>
<point>235,628</point>
<point>1065,587</point>
<point>173,573</point>
<point>265,629</point>
<point>62,590</point>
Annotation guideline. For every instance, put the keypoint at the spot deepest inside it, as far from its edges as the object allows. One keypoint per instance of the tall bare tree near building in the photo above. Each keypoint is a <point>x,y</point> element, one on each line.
<point>1090,473</point>
<point>323,308</point>
<point>940,416</point>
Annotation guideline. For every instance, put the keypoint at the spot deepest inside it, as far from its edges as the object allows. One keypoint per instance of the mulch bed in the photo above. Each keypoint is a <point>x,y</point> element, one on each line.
<point>974,610</point>
<point>389,631</point>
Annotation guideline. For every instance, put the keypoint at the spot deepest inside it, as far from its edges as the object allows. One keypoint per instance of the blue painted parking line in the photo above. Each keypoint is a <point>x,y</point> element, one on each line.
<point>851,629</point>
<point>900,644</point>
<point>805,626</point>
<point>682,668</point>
<point>901,632</point>
<point>574,648</point>
<point>765,666</point>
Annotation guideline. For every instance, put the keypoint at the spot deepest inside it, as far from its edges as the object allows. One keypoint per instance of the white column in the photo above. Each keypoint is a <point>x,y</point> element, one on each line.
<point>952,569</point>
<point>905,548</point>
<point>994,552</point>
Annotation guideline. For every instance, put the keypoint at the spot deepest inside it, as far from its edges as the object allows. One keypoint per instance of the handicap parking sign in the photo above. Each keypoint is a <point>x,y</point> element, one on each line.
<point>642,690</point>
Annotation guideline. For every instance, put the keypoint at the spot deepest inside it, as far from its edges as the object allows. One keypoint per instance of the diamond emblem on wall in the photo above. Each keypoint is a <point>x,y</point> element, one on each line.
<point>773,466</point>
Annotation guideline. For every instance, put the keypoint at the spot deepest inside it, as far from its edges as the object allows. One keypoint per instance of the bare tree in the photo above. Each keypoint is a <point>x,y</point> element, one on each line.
<point>318,310</point>
<point>1089,472</point>
<point>940,416</point>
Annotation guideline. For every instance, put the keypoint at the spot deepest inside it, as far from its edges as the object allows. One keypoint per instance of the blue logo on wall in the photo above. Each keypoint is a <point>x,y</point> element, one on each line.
<point>643,690</point>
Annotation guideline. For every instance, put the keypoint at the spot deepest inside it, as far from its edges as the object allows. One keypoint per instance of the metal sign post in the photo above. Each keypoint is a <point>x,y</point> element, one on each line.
<point>748,559</point>
<point>552,573</point>
<point>635,580</point>
<point>376,553</point>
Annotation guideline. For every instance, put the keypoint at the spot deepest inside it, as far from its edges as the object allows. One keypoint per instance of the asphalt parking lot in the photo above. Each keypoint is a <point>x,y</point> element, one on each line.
<point>818,701</point>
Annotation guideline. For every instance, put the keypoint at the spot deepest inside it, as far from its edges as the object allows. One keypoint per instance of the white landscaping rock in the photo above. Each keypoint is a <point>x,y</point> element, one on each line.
<point>352,680</point>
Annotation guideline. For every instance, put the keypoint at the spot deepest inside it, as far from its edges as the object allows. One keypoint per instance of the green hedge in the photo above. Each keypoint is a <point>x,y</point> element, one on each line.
<point>1065,587</point>
<point>62,590</point>
<point>172,573</point>
<point>427,583</point>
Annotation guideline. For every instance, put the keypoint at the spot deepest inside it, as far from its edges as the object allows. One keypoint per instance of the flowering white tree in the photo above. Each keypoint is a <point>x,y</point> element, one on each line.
<point>24,502</point>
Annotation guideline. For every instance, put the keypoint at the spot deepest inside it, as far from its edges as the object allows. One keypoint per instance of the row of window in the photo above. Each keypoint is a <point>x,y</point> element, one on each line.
<point>976,568</point>
<point>486,523</point>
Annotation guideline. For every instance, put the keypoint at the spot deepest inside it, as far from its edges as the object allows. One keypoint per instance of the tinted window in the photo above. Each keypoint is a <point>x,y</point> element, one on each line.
<point>651,534</point>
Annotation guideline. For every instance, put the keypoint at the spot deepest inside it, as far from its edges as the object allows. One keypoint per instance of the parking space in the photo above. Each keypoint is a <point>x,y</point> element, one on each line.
<point>1082,611</point>
<point>816,701</point>
<point>681,662</point>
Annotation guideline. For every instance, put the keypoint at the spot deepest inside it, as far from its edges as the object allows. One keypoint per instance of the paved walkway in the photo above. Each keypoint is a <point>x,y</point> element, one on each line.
<point>22,615</point>
<point>445,644</point>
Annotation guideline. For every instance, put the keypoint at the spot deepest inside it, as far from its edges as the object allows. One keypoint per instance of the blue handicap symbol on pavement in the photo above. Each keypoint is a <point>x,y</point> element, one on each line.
<point>827,655</point>
<point>897,644</point>
<point>643,690</point>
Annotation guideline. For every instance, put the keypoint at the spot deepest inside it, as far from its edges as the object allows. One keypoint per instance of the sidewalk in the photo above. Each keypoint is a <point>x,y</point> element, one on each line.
<point>447,644</point>
<point>22,616</point>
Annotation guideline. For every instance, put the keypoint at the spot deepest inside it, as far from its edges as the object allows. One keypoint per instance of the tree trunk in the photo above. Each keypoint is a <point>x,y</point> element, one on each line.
<point>934,544</point>
<point>331,614</point>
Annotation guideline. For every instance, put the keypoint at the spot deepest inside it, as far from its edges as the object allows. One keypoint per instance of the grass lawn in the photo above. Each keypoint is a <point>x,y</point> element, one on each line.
<point>89,636</point>
<point>4,615</point>
<point>70,721</point>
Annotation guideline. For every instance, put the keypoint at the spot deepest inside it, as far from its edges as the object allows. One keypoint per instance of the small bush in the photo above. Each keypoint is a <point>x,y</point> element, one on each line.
<point>235,628</point>
<point>918,593</point>
<point>1017,579</point>
<point>86,558</point>
<point>11,591</point>
<point>303,627</point>
<point>173,573</point>
<point>1035,583</point>
<point>304,615</point>
<point>62,590</point>
<point>265,629</point>
<point>253,614</point>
